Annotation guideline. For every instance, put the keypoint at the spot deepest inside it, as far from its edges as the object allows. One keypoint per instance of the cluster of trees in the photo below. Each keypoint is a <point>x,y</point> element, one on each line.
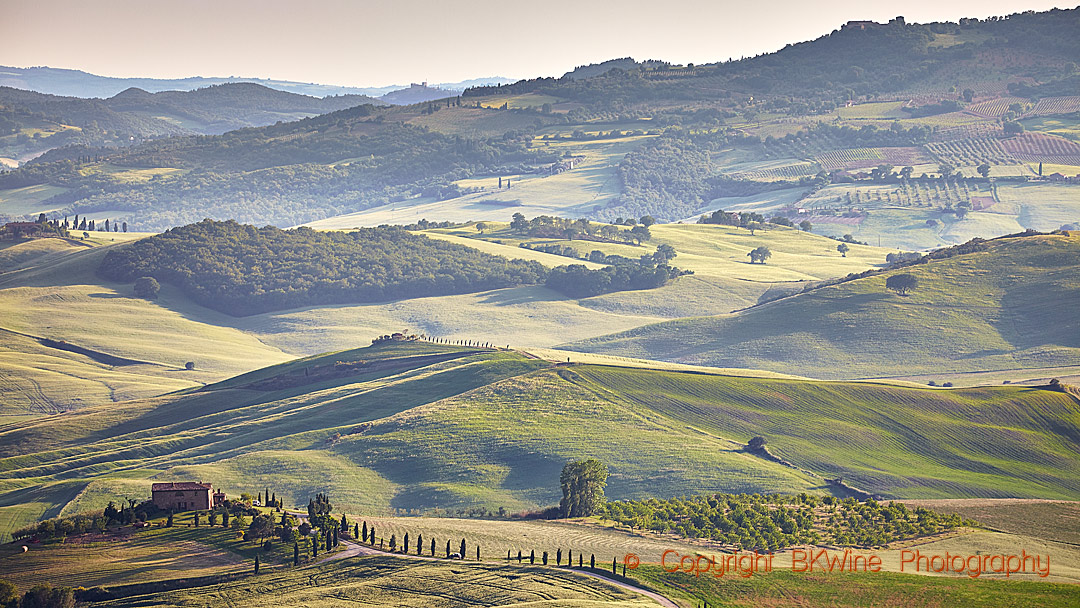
<point>127,513</point>
<point>244,270</point>
<point>623,274</point>
<point>38,596</point>
<point>771,522</point>
<point>583,484</point>
<point>547,226</point>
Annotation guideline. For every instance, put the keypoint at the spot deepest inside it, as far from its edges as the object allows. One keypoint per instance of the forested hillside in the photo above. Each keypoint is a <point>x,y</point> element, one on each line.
<point>243,270</point>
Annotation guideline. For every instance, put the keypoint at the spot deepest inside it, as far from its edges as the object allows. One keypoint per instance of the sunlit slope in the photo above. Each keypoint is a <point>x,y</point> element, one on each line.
<point>414,427</point>
<point>1010,306</point>
<point>724,279</point>
<point>420,425</point>
<point>49,289</point>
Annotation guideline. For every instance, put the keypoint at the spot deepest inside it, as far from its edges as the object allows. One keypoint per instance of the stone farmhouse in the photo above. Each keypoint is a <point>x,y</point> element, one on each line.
<point>185,496</point>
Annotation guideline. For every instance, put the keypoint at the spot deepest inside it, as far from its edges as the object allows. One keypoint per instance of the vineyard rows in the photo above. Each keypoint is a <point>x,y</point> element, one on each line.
<point>864,158</point>
<point>966,152</point>
<point>909,194</point>
<point>973,130</point>
<point>1041,146</point>
<point>793,171</point>
<point>1056,105</point>
<point>994,108</point>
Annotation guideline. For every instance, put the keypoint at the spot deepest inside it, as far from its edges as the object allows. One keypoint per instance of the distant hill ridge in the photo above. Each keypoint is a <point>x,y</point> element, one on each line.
<point>77,83</point>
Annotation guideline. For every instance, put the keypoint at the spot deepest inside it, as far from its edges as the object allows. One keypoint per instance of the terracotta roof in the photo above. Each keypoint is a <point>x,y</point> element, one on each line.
<point>182,485</point>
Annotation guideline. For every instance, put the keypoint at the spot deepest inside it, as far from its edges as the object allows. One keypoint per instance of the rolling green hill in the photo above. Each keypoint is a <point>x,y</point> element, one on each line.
<point>418,426</point>
<point>1007,306</point>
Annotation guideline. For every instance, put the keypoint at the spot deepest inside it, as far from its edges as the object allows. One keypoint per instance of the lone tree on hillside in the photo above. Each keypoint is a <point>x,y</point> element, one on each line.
<point>756,443</point>
<point>902,283</point>
<point>147,287</point>
<point>759,255</point>
<point>806,226</point>
<point>583,485</point>
<point>843,249</point>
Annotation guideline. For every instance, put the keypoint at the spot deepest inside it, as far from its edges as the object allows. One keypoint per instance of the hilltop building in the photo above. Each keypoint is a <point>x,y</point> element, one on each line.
<point>185,496</point>
<point>18,230</point>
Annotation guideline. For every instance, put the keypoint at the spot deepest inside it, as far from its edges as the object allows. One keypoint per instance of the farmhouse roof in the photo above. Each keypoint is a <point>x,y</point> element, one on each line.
<point>181,485</point>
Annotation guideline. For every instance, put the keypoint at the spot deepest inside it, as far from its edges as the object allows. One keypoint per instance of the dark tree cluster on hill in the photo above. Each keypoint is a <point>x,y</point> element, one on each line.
<point>623,274</point>
<point>548,226</point>
<point>244,270</point>
<point>754,521</point>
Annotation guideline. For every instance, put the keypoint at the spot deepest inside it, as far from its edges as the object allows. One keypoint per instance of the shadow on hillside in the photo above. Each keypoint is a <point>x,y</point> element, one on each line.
<point>1038,317</point>
<point>106,296</point>
<point>520,295</point>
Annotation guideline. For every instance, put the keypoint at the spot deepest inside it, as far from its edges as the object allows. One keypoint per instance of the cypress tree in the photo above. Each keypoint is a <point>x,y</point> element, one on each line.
<point>196,519</point>
<point>579,561</point>
<point>296,554</point>
<point>225,518</point>
<point>592,561</point>
<point>462,552</point>
<point>519,556</point>
<point>364,530</point>
<point>256,564</point>
<point>569,557</point>
<point>433,547</point>
<point>356,531</point>
<point>406,550</point>
<point>344,523</point>
<point>477,552</point>
<point>558,557</point>
<point>393,541</point>
<point>447,548</point>
<point>532,556</point>
<point>314,546</point>
<point>419,543</point>
<point>545,558</point>
<point>168,522</point>
<point>613,565</point>
<point>372,535</point>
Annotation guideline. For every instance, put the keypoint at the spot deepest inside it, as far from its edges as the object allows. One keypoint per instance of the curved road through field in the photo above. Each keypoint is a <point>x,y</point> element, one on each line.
<point>353,549</point>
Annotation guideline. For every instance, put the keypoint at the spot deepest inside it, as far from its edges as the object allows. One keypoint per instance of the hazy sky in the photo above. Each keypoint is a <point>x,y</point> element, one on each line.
<point>376,42</point>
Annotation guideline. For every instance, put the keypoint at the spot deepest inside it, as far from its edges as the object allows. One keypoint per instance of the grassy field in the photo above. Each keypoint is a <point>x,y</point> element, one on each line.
<point>590,185</point>
<point>1002,309</point>
<point>425,426</point>
<point>723,279</point>
<point>390,581</point>
<point>1044,519</point>
<point>855,590</point>
<point>28,200</point>
<point>48,289</point>
<point>712,251</point>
